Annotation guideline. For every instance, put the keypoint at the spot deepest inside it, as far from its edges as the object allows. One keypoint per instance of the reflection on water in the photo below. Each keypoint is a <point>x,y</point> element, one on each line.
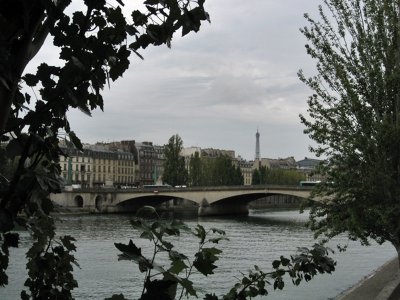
<point>257,239</point>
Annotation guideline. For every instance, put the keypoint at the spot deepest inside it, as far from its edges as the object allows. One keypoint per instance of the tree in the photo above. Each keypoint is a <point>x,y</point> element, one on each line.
<point>276,176</point>
<point>238,176</point>
<point>7,166</point>
<point>283,176</point>
<point>195,172</point>
<point>255,177</point>
<point>354,116</point>
<point>214,171</point>
<point>94,46</point>
<point>175,172</point>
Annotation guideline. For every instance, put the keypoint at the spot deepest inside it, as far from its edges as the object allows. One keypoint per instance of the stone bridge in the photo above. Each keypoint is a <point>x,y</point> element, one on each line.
<point>209,200</point>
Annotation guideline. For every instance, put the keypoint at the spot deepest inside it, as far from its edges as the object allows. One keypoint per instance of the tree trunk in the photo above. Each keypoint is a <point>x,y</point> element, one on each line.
<point>6,97</point>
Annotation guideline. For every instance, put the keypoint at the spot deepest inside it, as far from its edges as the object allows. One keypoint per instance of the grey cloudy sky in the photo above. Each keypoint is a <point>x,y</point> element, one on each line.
<point>216,87</point>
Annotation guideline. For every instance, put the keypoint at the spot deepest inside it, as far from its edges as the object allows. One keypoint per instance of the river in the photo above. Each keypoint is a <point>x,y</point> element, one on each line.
<point>256,239</point>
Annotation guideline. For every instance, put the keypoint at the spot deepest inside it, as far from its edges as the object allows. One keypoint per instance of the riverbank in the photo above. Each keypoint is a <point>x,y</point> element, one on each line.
<point>382,284</point>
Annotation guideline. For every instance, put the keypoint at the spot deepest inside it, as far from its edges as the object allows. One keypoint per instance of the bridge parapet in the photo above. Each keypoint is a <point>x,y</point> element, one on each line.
<point>197,188</point>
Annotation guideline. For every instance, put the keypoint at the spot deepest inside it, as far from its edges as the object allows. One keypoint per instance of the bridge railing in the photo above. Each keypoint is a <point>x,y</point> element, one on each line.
<point>194,189</point>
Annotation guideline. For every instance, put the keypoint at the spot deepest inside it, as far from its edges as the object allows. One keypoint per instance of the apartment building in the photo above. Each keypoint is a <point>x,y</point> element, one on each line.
<point>97,166</point>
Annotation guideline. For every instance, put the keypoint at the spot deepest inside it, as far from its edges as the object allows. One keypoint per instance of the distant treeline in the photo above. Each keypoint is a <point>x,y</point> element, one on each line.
<point>276,176</point>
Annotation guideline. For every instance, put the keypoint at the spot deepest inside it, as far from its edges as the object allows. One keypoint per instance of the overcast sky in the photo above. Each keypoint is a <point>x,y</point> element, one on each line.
<point>216,87</point>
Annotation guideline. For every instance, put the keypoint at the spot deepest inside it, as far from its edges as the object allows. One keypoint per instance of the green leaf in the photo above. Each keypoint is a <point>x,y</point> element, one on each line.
<point>85,110</point>
<point>279,284</point>
<point>130,249</point>
<point>147,235</point>
<point>188,286</point>
<point>174,255</point>
<point>11,239</point>
<point>160,289</point>
<point>6,221</point>
<point>285,261</point>
<point>200,233</point>
<point>204,260</point>
<point>245,281</point>
<point>167,245</point>
<point>75,140</point>
<point>47,206</point>
<point>14,148</point>
<point>143,264</point>
<point>67,242</point>
<point>153,2</point>
<point>276,264</point>
<point>97,4</point>
<point>210,297</point>
<point>177,266</point>
<point>138,18</point>
<point>30,79</point>
<point>217,239</point>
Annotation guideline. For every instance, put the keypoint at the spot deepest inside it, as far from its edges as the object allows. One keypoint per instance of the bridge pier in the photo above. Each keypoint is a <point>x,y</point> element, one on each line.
<point>206,209</point>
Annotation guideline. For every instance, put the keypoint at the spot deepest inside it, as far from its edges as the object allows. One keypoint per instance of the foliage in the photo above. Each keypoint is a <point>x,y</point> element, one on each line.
<point>195,172</point>
<point>173,281</point>
<point>7,166</point>
<point>354,118</point>
<point>94,46</point>
<point>175,172</point>
<point>49,262</point>
<point>214,171</point>
<point>276,176</point>
<point>259,176</point>
<point>304,265</point>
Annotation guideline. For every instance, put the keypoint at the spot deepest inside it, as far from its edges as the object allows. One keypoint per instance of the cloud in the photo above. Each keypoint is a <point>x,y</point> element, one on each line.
<point>215,87</point>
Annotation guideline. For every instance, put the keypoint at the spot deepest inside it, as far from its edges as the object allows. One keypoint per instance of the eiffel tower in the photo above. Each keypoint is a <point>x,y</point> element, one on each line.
<point>257,157</point>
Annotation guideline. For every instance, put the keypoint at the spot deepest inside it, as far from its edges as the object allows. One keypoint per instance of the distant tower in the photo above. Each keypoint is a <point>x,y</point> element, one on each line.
<point>257,146</point>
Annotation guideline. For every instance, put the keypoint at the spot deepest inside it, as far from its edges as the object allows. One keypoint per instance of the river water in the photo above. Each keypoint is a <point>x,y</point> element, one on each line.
<point>256,239</point>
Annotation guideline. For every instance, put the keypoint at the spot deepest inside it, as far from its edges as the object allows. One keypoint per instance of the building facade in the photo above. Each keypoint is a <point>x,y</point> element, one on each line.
<point>146,155</point>
<point>246,167</point>
<point>307,166</point>
<point>76,166</point>
<point>279,163</point>
<point>97,166</point>
<point>159,161</point>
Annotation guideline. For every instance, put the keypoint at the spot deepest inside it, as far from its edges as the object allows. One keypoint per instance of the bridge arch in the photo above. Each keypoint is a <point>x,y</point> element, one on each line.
<point>239,204</point>
<point>98,202</point>
<point>133,204</point>
<point>78,201</point>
